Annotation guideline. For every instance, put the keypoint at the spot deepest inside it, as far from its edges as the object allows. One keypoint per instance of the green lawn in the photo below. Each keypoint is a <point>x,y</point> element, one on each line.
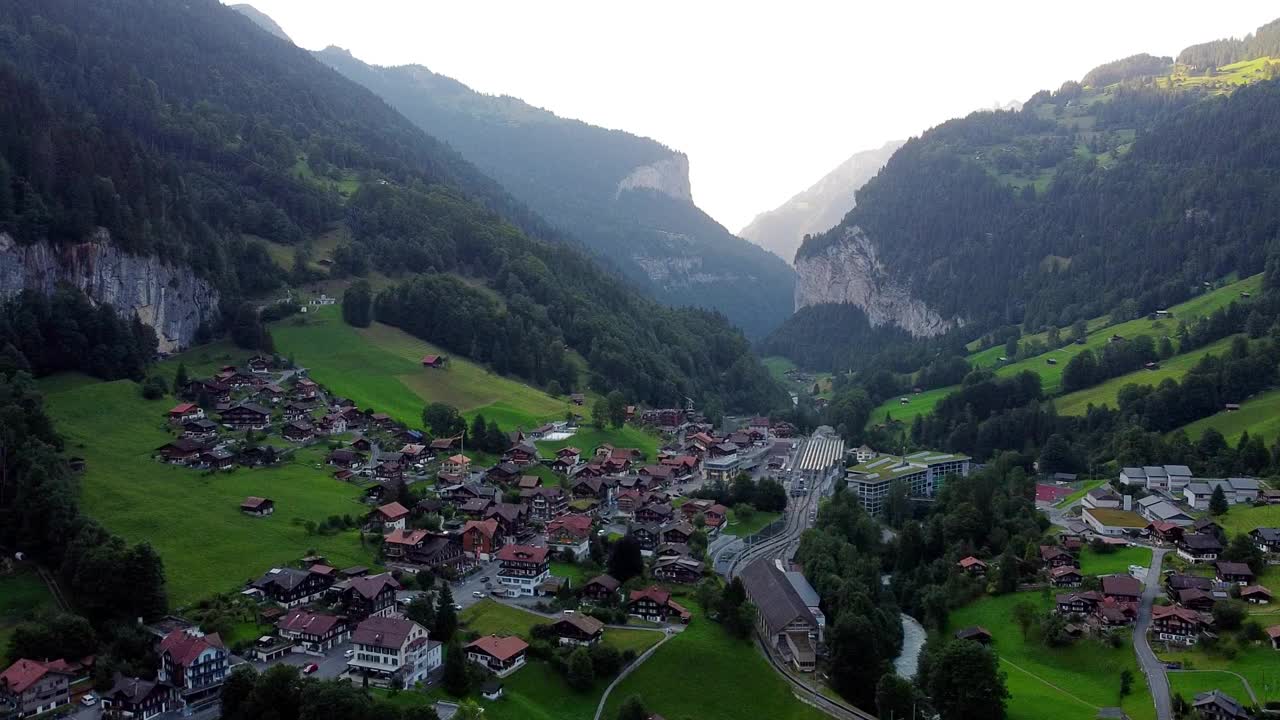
<point>380,367</point>
<point>758,522</point>
<point>1241,519</point>
<point>703,673</point>
<point>1259,664</point>
<point>1055,683</point>
<point>577,574</point>
<point>588,438</point>
<point>1118,562</point>
<point>1077,403</point>
<point>22,593</point>
<point>1259,416</point>
<point>1189,683</point>
<point>1083,490</point>
<point>193,518</point>
<point>917,404</point>
<point>489,617</point>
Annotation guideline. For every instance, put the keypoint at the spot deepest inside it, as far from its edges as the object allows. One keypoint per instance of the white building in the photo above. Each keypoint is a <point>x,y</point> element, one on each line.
<point>393,650</point>
<point>1236,490</point>
<point>821,457</point>
<point>923,473</point>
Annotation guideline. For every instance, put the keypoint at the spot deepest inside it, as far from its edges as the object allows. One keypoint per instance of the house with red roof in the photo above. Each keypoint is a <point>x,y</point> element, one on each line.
<point>500,655</point>
<point>397,544</point>
<point>570,532</point>
<point>185,412</point>
<point>195,663</point>
<point>393,651</point>
<point>522,568</point>
<point>481,539</point>
<point>314,633</point>
<point>369,596</point>
<point>434,361</point>
<point>655,605</point>
<point>31,686</point>
<point>393,516</point>
<point>973,566</point>
<point>458,464</point>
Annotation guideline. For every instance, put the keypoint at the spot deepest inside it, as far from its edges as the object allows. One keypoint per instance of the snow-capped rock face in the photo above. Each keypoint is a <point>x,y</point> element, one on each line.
<point>849,272</point>
<point>170,299</point>
<point>669,176</point>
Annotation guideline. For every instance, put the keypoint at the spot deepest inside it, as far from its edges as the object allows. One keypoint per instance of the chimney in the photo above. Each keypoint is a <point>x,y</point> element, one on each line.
<point>1128,502</point>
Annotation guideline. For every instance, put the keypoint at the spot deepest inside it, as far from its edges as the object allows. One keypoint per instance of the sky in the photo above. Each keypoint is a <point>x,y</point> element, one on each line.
<point>764,97</point>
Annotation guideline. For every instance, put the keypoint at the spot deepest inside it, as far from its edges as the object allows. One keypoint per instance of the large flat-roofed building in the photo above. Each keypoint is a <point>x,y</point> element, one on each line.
<point>822,455</point>
<point>922,472</point>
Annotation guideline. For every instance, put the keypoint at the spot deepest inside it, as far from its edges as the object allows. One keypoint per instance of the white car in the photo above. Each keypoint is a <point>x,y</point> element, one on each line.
<point>477,594</point>
<point>348,653</point>
<point>89,700</point>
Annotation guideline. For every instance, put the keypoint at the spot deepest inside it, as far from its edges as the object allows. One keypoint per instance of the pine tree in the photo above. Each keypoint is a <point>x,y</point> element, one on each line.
<point>446,624</point>
<point>1218,501</point>
<point>457,681</point>
<point>180,380</point>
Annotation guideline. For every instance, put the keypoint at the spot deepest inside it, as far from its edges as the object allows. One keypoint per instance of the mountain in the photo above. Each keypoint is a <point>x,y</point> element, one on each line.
<point>184,136</point>
<point>625,198</point>
<point>818,208</point>
<point>1130,194</point>
<point>262,20</point>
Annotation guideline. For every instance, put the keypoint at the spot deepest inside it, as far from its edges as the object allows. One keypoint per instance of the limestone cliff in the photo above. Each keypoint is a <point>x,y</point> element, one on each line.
<point>849,272</point>
<point>170,299</point>
<point>669,176</point>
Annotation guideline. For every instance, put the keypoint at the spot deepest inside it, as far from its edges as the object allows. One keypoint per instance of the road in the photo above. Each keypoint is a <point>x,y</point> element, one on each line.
<point>1157,679</point>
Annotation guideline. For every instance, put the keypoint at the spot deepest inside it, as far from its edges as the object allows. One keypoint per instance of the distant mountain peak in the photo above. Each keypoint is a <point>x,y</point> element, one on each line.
<point>263,21</point>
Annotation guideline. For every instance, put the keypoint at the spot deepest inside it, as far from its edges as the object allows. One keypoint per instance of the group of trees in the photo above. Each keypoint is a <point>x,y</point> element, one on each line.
<point>765,495</point>
<point>48,334</point>
<point>281,693</point>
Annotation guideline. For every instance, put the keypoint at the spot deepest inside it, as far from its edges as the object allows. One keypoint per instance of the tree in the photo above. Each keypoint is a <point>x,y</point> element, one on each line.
<point>1229,614</point>
<point>617,408</point>
<point>1243,550</point>
<point>154,388</point>
<point>1218,501</point>
<point>236,691</point>
<point>965,682</point>
<point>422,611</point>
<point>580,673</point>
<point>457,681</point>
<point>897,504</point>
<point>357,304</point>
<point>1056,455</point>
<point>479,435</point>
<point>181,380</point>
<point>625,560</point>
<point>895,697</point>
<point>600,413</point>
<point>446,621</point>
<point>1024,615</point>
<point>633,709</point>
<point>247,330</point>
<point>469,710</point>
<point>443,420</point>
<point>1126,682</point>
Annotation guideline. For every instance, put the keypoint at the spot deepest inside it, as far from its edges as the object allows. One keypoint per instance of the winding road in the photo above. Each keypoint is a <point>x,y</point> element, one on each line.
<point>1157,679</point>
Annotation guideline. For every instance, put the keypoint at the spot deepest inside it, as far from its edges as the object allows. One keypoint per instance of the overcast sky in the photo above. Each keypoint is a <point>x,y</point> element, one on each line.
<point>765,98</point>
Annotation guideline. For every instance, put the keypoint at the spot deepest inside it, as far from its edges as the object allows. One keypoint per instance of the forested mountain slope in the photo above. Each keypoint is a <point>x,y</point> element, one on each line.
<point>818,208</point>
<point>1089,196</point>
<point>181,128</point>
<point>625,198</point>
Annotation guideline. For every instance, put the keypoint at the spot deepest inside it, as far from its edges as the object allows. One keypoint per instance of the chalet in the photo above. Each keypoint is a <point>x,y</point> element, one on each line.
<point>578,629</point>
<point>258,365</point>
<point>382,420</point>
<point>1178,625</point>
<point>238,379</point>
<point>670,550</point>
<point>1266,539</point>
<point>393,651</point>
<point>511,518</point>
<point>296,411</point>
<point>292,587</point>
<point>271,393</point>
<point>666,417</point>
<point>1233,573</point>
<point>601,589</point>
<point>522,455</point>
<point>218,458</point>
<point>305,389</point>
<point>695,506</point>
<point>392,516</point>
<point>1217,705</point>
<point>475,508</point>
<point>1195,599</point>
<point>299,431</point>
<point>1111,614</point>
<point>445,444</point>
<point>499,655</point>
<point>247,416</point>
<point>503,473</point>
<point>661,474</point>
<point>1122,588</point>
<point>30,687</point>
<point>458,494</point>
<point>655,513</point>
<point>1166,532</point>
<point>201,430</point>
<point>217,392</point>
<point>1209,526</point>
<point>975,633</point>
<point>577,398</point>
<point>458,464</point>
<point>570,532</point>
<point>185,412</point>
<point>1199,547</point>
<point>331,424</point>
<point>677,532</point>
<point>345,458</point>
<point>438,551</point>
<point>1255,595</point>
<point>1065,576</point>
<point>1054,557</point>
<point>434,361</point>
<point>397,544</point>
<point>257,456</point>
<point>592,488</point>
<point>628,501</point>
<point>182,451</point>
<point>315,633</point>
<point>481,539</point>
<point>257,506</point>
<point>646,536</point>
<point>195,663</point>
<point>1176,582</point>
<point>655,605</point>
<point>131,697</point>
<point>1078,604</point>
<point>686,571</point>
<point>716,516</point>
<point>368,596</point>
<point>1071,542</point>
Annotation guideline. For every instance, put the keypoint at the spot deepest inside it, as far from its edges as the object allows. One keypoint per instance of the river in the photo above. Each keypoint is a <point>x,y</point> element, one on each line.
<point>913,637</point>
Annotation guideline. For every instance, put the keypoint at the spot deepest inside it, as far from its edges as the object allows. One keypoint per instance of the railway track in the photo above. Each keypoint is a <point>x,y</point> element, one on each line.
<point>834,708</point>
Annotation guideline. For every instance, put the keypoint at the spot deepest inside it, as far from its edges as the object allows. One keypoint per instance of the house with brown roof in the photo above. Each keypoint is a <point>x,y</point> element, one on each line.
<point>180,451</point>
<point>32,686</point>
<point>1233,573</point>
<point>578,629</point>
<point>313,633</point>
<point>1122,588</point>
<point>1077,604</point>
<point>1195,599</point>
<point>247,416</point>
<point>1065,576</point>
<point>202,430</point>
<point>976,633</point>
<point>1053,556</point>
<point>369,596</point>
<point>292,587</point>
<point>570,532</point>
<point>1273,633</point>
<point>522,568</point>
<point>1256,594</point>
<point>392,516</point>
<point>257,506</point>
<point>397,544</point>
<point>973,566</point>
<point>683,570</point>
<point>600,589</point>
<point>655,605</point>
<point>434,361</point>
<point>133,697</point>
<point>1178,625</point>
<point>500,655</point>
<point>545,503</point>
<point>195,663</point>
<point>655,513</point>
<point>481,539</point>
<point>299,431</point>
<point>393,651</point>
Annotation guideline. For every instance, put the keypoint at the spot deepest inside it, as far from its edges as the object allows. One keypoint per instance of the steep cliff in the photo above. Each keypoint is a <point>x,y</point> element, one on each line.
<point>669,176</point>
<point>818,208</point>
<point>170,299</point>
<point>849,272</point>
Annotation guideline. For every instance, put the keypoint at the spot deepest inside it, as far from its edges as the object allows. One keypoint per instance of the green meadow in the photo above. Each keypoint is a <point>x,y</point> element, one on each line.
<point>1105,393</point>
<point>1259,415</point>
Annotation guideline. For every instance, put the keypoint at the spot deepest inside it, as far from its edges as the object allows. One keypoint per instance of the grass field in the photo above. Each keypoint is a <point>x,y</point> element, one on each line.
<point>1083,490</point>
<point>380,367</point>
<point>1259,415</point>
<point>1189,683</point>
<point>1240,519</point>
<point>917,404</point>
<point>1118,562</point>
<point>1077,403</point>
<point>22,594</point>
<point>1256,663</point>
<point>488,617</point>
<point>758,522</point>
<point>1068,683</point>
<point>577,574</point>
<point>588,438</point>
<point>703,673</point>
<point>193,518</point>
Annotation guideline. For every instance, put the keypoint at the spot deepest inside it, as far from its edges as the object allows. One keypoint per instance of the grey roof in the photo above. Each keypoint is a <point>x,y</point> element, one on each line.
<point>1149,500</point>
<point>778,602</point>
<point>1154,471</point>
<point>1167,511</point>
<point>801,585</point>
<point>1243,483</point>
<point>1134,472</point>
<point>1267,535</point>
<point>284,578</point>
<point>1201,541</point>
<point>1104,492</point>
<point>1177,470</point>
<point>1221,700</point>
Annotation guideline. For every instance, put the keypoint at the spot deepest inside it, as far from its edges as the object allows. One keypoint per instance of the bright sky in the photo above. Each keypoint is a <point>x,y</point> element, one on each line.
<point>765,98</point>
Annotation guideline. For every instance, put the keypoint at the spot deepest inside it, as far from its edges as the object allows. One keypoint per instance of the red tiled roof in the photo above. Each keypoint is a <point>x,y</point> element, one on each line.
<point>371,586</point>
<point>182,409</point>
<point>502,648</point>
<point>578,525</point>
<point>303,621</point>
<point>393,511</point>
<point>25,673</point>
<point>185,648</point>
<point>1274,632</point>
<point>252,502</point>
<point>656,594</point>
<point>486,527</point>
<point>523,553</point>
<point>971,561</point>
<point>1255,590</point>
<point>405,537</point>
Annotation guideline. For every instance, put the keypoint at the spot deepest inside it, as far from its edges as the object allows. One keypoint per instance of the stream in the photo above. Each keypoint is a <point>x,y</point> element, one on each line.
<point>913,637</point>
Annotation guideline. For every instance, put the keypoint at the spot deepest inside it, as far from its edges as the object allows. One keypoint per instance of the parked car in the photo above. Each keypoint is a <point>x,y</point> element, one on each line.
<point>310,668</point>
<point>456,606</point>
<point>89,700</point>
<point>477,594</point>
<point>348,653</point>
<point>484,579</point>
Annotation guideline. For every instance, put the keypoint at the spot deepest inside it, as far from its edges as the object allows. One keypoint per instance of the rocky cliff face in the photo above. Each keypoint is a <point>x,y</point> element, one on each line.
<point>849,272</point>
<point>669,176</point>
<point>168,298</point>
